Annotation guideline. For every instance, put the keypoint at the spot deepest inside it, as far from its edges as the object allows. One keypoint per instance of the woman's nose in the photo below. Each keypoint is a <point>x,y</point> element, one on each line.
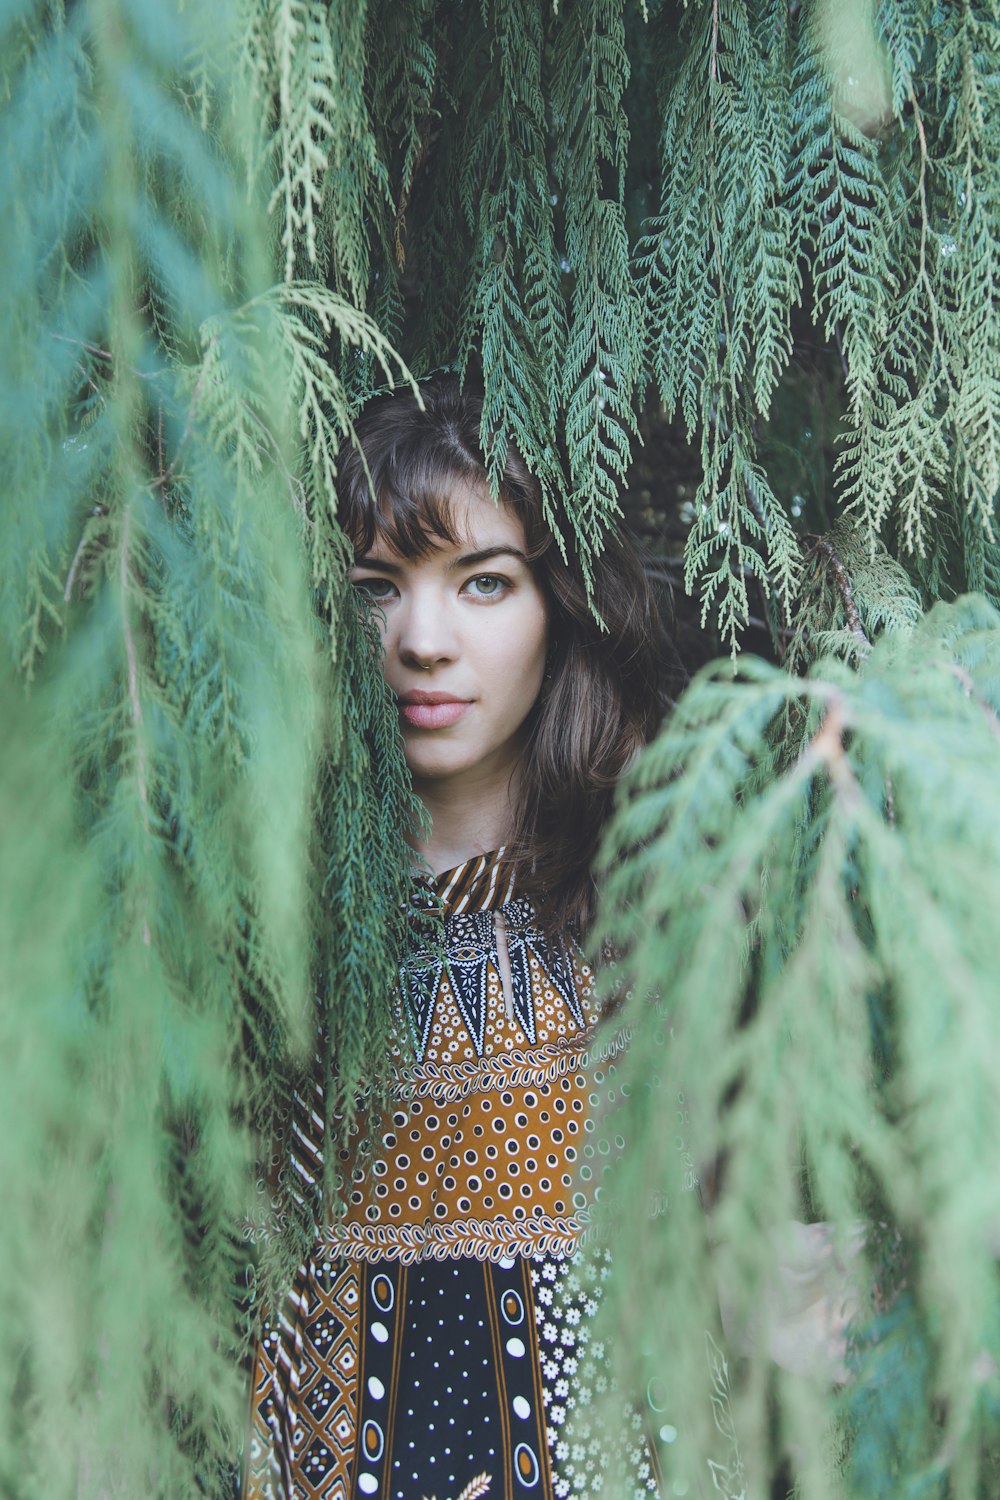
<point>427,636</point>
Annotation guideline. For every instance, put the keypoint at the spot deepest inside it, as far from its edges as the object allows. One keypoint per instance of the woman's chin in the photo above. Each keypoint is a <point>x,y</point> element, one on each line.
<point>438,764</point>
<point>440,768</point>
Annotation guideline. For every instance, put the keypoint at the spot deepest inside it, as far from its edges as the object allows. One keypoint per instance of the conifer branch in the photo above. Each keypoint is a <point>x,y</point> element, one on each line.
<point>989,712</point>
<point>132,679</point>
<point>826,748</point>
<point>924,225</point>
<point>406,188</point>
<point>814,887</point>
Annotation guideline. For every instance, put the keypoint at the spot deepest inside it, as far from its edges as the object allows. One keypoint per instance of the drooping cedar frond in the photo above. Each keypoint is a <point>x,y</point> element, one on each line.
<point>226,225</point>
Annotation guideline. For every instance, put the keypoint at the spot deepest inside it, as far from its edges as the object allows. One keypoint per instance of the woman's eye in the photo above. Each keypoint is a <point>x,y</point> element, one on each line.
<point>487,585</point>
<point>375,588</point>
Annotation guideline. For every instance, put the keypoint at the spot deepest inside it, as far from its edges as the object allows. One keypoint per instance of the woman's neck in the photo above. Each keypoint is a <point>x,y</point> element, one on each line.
<point>466,820</point>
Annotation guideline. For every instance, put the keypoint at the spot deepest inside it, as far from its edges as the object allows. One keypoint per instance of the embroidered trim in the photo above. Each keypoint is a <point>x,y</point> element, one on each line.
<point>482,1239</point>
<point>515,1069</point>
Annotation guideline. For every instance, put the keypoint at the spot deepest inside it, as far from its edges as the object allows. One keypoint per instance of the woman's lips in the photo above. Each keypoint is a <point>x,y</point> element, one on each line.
<point>431,710</point>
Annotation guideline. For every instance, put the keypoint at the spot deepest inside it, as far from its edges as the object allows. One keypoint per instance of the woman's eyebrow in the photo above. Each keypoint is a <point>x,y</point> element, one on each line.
<point>469,559</point>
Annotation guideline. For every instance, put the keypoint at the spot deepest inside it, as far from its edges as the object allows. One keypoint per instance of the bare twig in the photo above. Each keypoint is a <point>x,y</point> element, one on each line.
<point>104,354</point>
<point>851,612</point>
<point>922,184</point>
<point>713,67</point>
<point>922,190</point>
<point>91,382</point>
<point>79,554</point>
<point>78,557</point>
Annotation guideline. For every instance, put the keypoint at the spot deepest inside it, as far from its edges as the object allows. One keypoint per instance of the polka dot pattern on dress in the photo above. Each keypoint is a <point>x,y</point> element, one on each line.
<point>437,1333</point>
<point>495,1119</point>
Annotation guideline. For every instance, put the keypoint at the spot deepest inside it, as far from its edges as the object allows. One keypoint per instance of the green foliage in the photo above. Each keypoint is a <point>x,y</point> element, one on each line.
<point>841,205</point>
<point>923,446</point>
<point>719,274</point>
<point>170,421</point>
<point>226,225</point>
<point>851,594</point>
<point>601,355</point>
<point>516,309</point>
<point>302,63</point>
<point>832,1067</point>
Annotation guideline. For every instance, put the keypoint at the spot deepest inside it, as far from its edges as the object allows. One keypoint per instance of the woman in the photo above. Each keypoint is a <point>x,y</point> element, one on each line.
<point>435,1337</point>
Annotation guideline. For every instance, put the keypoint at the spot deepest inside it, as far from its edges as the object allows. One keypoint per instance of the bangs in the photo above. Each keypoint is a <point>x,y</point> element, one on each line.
<point>412,517</point>
<point>410,512</point>
<point>403,480</point>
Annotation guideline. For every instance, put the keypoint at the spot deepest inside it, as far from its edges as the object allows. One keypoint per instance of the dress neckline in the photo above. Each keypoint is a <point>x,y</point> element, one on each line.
<point>483,882</point>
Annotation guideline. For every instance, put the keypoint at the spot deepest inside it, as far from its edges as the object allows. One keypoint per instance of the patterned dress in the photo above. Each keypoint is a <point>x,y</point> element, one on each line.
<point>437,1340</point>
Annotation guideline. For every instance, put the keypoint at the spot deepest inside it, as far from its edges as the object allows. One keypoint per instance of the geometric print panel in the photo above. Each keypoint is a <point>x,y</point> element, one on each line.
<point>317,1419</point>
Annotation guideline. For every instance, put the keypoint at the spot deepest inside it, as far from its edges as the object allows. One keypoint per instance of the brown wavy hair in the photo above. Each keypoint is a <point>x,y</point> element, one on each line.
<point>602,697</point>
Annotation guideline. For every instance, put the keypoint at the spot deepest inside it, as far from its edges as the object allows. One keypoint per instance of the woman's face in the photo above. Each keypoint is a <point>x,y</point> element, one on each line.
<point>465,632</point>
